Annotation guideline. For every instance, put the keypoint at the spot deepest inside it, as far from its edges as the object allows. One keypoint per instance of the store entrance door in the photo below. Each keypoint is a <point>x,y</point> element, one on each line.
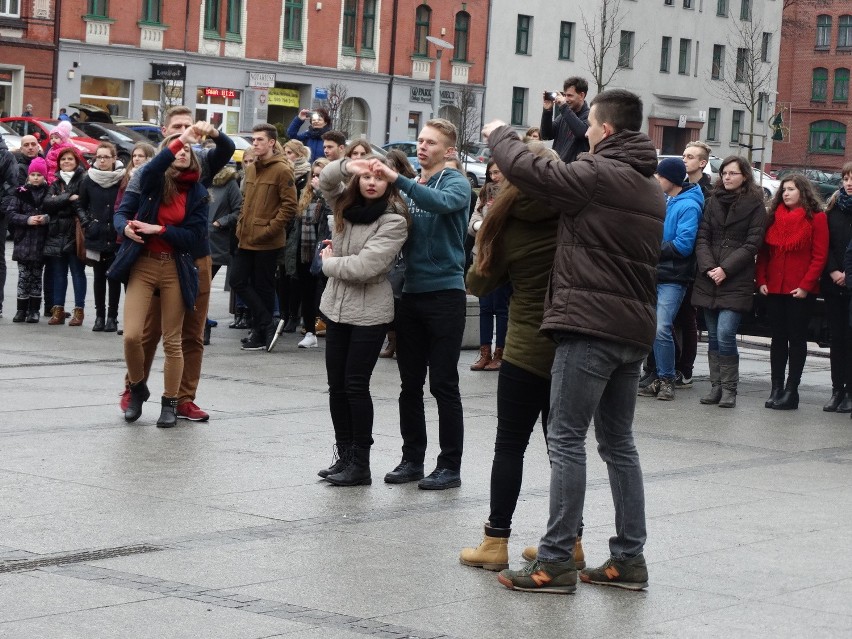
<point>223,118</point>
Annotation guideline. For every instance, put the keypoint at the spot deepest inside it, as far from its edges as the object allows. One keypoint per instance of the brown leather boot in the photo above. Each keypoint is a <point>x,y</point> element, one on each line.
<point>496,361</point>
<point>77,319</point>
<point>57,316</point>
<point>391,349</point>
<point>484,359</point>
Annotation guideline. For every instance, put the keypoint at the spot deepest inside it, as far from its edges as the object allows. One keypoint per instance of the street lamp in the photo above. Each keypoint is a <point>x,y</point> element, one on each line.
<point>440,45</point>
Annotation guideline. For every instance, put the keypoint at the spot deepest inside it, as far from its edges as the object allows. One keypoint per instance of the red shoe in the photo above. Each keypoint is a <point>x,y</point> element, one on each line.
<point>125,400</point>
<point>188,410</point>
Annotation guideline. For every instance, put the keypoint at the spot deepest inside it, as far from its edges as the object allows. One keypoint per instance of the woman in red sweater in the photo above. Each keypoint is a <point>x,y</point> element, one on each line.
<point>789,266</point>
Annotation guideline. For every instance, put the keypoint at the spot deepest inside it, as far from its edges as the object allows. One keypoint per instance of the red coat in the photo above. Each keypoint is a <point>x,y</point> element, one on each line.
<point>784,269</point>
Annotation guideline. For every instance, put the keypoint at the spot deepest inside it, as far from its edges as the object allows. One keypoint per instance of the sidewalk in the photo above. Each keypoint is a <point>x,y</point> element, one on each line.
<point>223,530</point>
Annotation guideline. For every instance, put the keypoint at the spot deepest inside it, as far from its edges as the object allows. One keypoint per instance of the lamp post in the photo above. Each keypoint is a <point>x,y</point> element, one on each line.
<point>440,45</point>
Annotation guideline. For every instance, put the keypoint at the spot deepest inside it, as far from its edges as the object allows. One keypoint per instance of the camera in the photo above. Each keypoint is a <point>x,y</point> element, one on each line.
<point>551,95</point>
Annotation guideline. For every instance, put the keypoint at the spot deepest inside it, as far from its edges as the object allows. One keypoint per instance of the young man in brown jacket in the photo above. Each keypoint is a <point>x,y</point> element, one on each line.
<point>600,310</point>
<point>268,205</point>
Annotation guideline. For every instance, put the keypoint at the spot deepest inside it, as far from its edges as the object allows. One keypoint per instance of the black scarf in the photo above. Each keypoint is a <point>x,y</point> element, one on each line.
<point>366,212</point>
<point>844,201</point>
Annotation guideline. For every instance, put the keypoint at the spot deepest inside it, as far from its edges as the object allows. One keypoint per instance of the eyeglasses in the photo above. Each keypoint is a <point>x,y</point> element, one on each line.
<point>104,157</point>
<point>730,173</point>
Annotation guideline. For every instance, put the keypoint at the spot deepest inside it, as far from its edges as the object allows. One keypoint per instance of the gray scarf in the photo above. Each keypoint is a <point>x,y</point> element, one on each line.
<point>106,179</point>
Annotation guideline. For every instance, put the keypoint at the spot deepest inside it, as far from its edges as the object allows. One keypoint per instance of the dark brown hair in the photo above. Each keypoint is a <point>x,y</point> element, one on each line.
<point>398,161</point>
<point>352,196</point>
<point>809,199</point>
<point>749,186</point>
<point>170,187</point>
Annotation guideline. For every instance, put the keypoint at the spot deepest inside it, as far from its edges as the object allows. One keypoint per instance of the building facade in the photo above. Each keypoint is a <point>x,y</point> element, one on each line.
<point>239,62</point>
<point>27,56</point>
<point>815,63</point>
<point>695,63</point>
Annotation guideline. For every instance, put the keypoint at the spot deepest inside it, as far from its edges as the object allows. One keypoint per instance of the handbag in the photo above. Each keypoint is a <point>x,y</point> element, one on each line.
<point>188,276</point>
<point>126,256</point>
<point>316,263</point>
<point>396,276</point>
<point>80,240</point>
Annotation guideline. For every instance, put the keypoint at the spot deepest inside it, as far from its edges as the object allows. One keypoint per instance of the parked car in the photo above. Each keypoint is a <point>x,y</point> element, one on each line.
<point>769,184</point>
<point>123,138</point>
<point>479,150</point>
<point>240,145</point>
<point>41,128</point>
<point>152,133</point>
<point>12,139</point>
<point>410,150</point>
<point>474,170</point>
<point>825,183</point>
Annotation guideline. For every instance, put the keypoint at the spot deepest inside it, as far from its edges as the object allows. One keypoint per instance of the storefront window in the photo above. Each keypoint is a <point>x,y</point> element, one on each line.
<point>111,94</point>
<point>220,107</point>
<point>5,94</point>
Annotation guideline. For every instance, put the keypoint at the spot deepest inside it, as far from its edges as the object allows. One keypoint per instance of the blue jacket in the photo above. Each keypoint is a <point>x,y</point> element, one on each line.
<point>434,252</point>
<point>311,138</point>
<point>680,231</point>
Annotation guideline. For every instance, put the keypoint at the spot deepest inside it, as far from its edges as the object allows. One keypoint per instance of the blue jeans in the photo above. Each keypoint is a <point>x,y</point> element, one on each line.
<point>59,268</point>
<point>722,326</point>
<point>598,378</point>
<point>494,306</point>
<point>669,297</point>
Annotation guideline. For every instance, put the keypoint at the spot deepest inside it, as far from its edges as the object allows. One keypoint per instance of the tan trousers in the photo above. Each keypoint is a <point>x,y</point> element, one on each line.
<point>192,334</point>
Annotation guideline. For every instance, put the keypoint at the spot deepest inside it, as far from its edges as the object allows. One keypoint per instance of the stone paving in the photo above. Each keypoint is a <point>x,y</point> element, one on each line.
<point>223,530</point>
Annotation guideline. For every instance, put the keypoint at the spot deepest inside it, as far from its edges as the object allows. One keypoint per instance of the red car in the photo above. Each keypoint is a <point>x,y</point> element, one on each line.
<point>41,128</point>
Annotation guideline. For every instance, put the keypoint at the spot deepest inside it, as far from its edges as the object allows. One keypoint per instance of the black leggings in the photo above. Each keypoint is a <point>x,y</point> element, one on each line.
<point>788,318</point>
<point>308,295</point>
<point>837,310</point>
<point>101,284</point>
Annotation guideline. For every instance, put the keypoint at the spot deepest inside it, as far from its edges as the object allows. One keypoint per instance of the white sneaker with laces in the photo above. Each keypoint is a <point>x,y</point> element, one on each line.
<point>309,341</point>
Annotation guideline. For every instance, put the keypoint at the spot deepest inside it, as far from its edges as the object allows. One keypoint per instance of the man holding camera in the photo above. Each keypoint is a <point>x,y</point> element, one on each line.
<point>565,119</point>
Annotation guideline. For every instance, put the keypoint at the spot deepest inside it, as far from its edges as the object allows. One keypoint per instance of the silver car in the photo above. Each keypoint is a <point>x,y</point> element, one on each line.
<point>12,139</point>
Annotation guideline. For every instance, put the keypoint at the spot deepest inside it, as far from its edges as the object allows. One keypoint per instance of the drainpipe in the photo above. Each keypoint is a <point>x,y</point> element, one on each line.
<point>392,69</point>
<point>55,78</point>
<point>485,71</point>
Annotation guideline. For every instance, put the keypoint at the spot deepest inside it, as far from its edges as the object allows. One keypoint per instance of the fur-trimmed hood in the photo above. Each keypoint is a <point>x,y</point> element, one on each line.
<point>224,176</point>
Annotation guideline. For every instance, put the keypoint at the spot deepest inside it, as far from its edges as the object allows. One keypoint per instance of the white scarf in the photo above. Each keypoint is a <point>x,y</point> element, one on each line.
<point>106,179</point>
<point>66,176</point>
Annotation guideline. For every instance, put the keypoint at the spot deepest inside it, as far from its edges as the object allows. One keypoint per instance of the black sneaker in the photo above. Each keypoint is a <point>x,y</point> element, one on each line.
<point>254,343</point>
<point>406,472</point>
<point>681,381</point>
<point>554,577</point>
<point>630,574</point>
<point>440,479</point>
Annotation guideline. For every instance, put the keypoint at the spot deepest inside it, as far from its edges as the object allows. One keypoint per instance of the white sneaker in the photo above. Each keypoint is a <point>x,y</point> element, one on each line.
<point>309,341</point>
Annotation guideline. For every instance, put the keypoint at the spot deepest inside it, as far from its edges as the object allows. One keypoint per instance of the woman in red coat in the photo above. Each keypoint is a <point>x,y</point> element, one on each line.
<point>789,266</point>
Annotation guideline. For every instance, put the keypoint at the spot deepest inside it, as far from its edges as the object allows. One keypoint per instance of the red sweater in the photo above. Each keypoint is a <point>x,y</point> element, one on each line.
<point>171,214</point>
<point>782,268</point>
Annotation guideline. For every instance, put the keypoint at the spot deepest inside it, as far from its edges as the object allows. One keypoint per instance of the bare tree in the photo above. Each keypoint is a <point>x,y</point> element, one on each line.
<point>339,107</point>
<point>603,41</point>
<point>466,116</point>
<point>745,78</point>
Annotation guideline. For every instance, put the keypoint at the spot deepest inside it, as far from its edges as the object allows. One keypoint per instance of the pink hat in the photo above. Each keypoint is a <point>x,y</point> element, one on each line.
<point>62,130</point>
<point>38,165</point>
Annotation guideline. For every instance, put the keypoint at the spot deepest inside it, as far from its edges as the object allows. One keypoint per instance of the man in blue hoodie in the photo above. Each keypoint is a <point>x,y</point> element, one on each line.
<point>676,268</point>
<point>431,316</point>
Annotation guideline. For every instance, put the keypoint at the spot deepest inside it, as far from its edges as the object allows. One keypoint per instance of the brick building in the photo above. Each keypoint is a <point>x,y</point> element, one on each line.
<point>27,47</point>
<point>813,85</point>
<point>239,62</point>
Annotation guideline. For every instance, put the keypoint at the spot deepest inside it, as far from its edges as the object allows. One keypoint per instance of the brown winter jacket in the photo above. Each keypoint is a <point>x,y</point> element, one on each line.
<point>604,278</point>
<point>268,205</point>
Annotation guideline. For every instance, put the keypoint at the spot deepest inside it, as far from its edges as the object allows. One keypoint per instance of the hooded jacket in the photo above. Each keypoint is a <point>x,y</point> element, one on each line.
<point>226,200</point>
<point>99,204</point>
<point>680,230</point>
<point>604,278</point>
<point>269,204</point>
<point>29,239</point>
<point>311,137</point>
<point>567,129</point>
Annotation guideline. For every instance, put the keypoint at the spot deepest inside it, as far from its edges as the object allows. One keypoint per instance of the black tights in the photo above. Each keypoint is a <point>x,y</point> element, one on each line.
<point>788,318</point>
<point>101,284</point>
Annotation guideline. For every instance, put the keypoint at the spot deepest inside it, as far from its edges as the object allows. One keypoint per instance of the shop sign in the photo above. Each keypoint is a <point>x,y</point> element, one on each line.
<point>221,93</point>
<point>168,71</point>
<point>422,94</point>
<point>284,97</point>
<point>262,80</point>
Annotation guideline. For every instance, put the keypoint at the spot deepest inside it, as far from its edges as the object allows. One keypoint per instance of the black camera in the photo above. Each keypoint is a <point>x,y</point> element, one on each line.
<point>551,95</point>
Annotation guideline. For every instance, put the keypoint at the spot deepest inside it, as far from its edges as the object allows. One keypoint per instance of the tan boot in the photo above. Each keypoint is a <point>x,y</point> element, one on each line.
<point>492,553</point>
<point>391,349</point>
<point>77,319</point>
<point>496,361</point>
<point>484,359</point>
<point>58,315</point>
<point>531,553</point>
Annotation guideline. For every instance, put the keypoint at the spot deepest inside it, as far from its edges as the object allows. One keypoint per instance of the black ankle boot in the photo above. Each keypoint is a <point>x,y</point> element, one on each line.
<point>357,471</point>
<point>341,453</point>
<point>98,326</point>
<point>34,314</point>
<point>837,396</point>
<point>789,399</point>
<point>168,412</point>
<point>775,395</point>
<point>238,317</point>
<point>291,325</point>
<point>139,394</point>
<point>111,325</point>
<point>21,314</point>
<point>206,339</point>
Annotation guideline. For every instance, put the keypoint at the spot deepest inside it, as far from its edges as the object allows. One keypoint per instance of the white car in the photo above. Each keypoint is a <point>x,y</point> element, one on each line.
<point>473,169</point>
<point>12,139</point>
<point>765,181</point>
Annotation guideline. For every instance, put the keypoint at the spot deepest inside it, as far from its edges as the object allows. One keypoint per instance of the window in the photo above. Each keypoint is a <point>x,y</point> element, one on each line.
<point>293,22</point>
<point>522,41</point>
<point>745,9</point>
<point>713,124</point>
<point>823,40</point>
<point>765,47</point>
<point>841,85</point>
<point>110,94</point>
<point>736,126</point>
<point>665,54</point>
<point>152,11</point>
<point>10,9</point>
<point>683,57</point>
<point>234,17</point>
<point>742,64</point>
<point>668,3</point>
<point>819,86</point>
<point>827,136</point>
<point>717,71</point>
<point>350,17</point>
<point>421,29</point>
<point>844,32</point>
<point>625,50</point>
<point>687,4</point>
<point>722,8</point>
<point>762,99</point>
<point>211,15</point>
<point>519,100</point>
<point>98,8</point>
<point>368,25</point>
<point>566,40</point>
<point>462,30</point>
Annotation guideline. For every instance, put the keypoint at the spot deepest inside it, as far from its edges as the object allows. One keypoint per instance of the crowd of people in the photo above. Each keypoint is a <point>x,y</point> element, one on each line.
<point>589,260</point>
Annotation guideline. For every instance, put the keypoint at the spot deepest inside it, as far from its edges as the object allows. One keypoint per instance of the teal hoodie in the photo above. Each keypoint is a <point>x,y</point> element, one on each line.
<point>434,252</point>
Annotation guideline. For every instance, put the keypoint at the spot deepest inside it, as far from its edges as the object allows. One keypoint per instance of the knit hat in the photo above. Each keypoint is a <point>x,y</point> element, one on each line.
<point>62,130</point>
<point>673,169</point>
<point>38,165</point>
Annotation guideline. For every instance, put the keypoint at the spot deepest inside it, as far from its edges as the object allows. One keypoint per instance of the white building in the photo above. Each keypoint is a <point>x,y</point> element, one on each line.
<point>680,56</point>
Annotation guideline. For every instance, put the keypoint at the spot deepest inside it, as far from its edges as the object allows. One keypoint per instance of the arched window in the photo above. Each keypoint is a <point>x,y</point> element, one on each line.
<point>844,32</point>
<point>355,118</point>
<point>819,86</point>
<point>460,44</point>
<point>841,85</point>
<point>827,136</point>
<point>823,32</point>
<point>421,29</point>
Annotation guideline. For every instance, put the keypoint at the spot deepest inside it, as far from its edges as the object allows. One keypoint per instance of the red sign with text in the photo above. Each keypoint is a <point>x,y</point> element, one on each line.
<point>220,93</point>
